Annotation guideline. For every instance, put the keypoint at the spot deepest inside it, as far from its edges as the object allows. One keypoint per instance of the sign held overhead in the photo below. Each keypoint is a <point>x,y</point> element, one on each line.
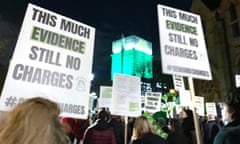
<point>183,49</point>
<point>52,59</point>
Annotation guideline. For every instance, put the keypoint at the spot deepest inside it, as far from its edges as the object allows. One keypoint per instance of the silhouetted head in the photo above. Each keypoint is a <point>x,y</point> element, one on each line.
<point>103,115</point>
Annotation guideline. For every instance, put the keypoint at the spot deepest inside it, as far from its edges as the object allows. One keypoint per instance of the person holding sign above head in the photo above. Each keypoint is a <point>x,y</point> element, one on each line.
<point>143,133</point>
<point>230,134</point>
<point>34,121</point>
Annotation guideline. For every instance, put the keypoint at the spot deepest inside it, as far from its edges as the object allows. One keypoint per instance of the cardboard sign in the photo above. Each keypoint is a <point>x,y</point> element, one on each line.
<point>52,59</point>
<point>183,49</point>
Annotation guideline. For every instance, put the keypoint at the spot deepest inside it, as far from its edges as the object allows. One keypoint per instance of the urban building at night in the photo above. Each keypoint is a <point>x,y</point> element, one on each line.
<point>221,24</point>
<point>132,55</point>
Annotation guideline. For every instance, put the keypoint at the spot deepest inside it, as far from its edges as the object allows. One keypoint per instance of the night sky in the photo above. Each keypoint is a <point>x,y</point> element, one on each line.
<point>111,18</point>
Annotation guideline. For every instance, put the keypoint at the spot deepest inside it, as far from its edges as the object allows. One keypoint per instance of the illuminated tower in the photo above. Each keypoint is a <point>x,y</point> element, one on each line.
<point>132,55</point>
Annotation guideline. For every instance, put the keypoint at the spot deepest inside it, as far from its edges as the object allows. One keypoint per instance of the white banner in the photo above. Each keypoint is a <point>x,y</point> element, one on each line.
<point>183,49</point>
<point>52,59</point>
<point>126,96</point>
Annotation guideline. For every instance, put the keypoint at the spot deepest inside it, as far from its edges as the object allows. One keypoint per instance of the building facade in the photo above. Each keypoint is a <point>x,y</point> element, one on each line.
<point>221,24</point>
<point>132,55</point>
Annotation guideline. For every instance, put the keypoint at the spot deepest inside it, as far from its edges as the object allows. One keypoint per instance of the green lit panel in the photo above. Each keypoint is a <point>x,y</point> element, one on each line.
<point>128,62</point>
<point>132,55</point>
<point>116,64</point>
<point>143,65</point>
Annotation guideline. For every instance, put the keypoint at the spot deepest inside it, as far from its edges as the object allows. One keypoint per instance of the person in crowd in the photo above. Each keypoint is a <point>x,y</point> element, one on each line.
<point>188,125</point>
<point>230,133</point>
<point>118,127</point>
<point>35,121</point>
<point>68,129</point>
<point>78,127</point>
<point>210,128</point>
<point>176,133</point>
<point>143,133</point>
<point>100,132</point>
<point>162,120</point>
<point>130,124</point>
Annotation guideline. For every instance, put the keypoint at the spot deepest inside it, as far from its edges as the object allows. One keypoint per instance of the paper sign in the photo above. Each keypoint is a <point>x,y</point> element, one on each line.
<point>126,96</point>
<point>105,97</point>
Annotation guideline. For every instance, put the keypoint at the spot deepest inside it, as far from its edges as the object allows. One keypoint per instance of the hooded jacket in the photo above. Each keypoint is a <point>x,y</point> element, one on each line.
<point>99,133</point>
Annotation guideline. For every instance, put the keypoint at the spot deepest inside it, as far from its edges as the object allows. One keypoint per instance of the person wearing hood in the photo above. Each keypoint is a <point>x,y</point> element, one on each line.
<point>100,131</point>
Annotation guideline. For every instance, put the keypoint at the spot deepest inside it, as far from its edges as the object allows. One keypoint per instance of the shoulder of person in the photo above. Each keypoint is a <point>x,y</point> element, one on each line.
<point>228,135</point>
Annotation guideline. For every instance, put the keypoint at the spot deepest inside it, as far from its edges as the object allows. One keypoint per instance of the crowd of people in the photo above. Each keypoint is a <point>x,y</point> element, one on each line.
<point>37,121</point>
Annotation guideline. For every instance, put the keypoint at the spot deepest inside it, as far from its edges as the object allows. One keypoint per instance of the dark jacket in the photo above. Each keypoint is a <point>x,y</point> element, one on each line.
<point>176,138</point>
<point>118,128</point>
<point>211,128</point>
<point>188,130</point>
<point>230,134</point>
<point>99,133</point>
<point>150,139</point>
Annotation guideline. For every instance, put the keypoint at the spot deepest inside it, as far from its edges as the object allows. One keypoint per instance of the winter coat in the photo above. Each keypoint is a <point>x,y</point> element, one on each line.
<point>211,128</point>
<point>118,128</point>
<point>230,134</point>
<point>99,133</point>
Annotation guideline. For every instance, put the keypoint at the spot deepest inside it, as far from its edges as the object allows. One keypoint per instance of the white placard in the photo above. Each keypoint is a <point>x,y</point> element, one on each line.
<point>126,96</point>
<point>237,80</point>
<point>178,82</point>
<point>105,97</point>
<point>199,101</point>
<point>211,108</point>
<point>153,101</point>
<point>183,49</point>
<point>185,98</point>
<point>52,59</point>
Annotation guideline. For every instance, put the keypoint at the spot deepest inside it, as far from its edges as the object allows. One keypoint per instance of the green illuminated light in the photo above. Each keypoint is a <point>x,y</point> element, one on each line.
<point>132,55</point>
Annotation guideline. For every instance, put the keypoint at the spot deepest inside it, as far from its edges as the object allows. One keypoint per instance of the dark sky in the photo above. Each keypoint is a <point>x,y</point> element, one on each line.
<point>111,18</point>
